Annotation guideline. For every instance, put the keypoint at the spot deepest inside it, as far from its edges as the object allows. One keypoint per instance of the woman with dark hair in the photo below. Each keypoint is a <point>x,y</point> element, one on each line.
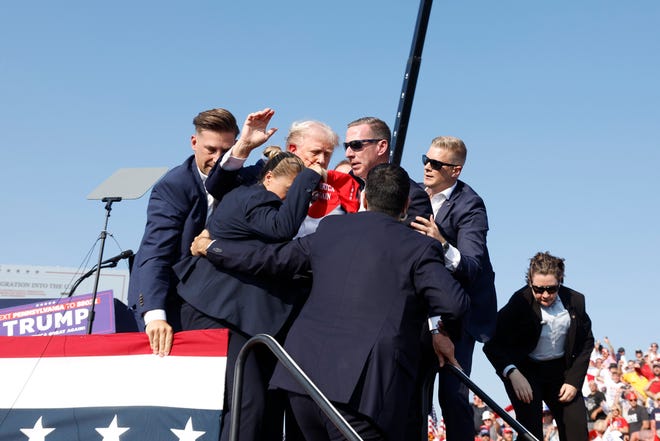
<point>267,212</point>
<point>541,350</point>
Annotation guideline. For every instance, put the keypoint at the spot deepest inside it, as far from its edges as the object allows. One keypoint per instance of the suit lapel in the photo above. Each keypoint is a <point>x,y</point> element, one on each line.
<point>444,210</point>
<point>199,185</point>
<point>536,308</point>
<point>446,207</point>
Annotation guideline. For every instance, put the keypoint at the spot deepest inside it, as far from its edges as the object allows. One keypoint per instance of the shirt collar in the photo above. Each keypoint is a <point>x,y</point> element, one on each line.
<point>201,175</point>
<point>447,192</point>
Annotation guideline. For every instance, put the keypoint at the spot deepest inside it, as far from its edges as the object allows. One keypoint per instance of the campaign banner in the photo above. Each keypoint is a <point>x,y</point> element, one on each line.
<point>112,387</point>
<point>65,316</point>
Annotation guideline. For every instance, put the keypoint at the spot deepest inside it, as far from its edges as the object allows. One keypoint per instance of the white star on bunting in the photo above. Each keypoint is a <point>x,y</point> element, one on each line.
<point>112,432</point>
<point>38,432</point>
<point>188,434</point>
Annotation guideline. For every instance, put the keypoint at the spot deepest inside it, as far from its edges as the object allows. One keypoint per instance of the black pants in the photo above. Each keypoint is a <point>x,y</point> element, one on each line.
<point>545,379</point>
<point>262,410</point>
<point>453,395</point>
<point>316,426</point>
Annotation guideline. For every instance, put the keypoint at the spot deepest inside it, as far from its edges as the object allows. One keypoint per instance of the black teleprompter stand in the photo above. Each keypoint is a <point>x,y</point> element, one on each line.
<point>125,183</point>
<point>108,207</point>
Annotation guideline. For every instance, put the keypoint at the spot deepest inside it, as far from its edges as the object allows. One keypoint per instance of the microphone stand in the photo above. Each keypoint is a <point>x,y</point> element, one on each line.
<point>108,207</point>
<point>86,275</point>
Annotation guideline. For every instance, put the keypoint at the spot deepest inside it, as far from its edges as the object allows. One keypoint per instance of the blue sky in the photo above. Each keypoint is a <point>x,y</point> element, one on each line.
<point>556,101</point>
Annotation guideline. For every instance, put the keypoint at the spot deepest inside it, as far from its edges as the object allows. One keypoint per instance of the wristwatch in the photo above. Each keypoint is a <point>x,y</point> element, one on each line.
<point>445,246</point>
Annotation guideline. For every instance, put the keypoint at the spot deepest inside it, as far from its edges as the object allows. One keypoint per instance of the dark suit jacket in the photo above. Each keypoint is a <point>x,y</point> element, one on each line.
<point>375,282</point>
<point>462,220</point>
<point>175,215</point>
<point>420,204</point>
<point>221,181</point>
<point>254,216</point>
<point>519,328</point>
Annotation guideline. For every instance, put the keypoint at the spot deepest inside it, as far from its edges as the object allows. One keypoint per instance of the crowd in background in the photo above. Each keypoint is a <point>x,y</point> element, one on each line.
<point>622,401</point>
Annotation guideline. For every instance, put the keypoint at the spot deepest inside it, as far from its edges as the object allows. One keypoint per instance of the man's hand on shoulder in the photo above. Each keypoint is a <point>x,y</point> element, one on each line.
<point>161,336</point>
<point>428,227</point>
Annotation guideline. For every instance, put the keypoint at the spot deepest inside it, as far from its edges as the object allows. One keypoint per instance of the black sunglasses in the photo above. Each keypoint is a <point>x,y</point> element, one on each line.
<point>541,289</point>
<point>358,144</point>
<point>435,164</point>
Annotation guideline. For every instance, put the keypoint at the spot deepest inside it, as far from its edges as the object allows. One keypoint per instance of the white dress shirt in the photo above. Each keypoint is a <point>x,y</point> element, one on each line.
<point>452,255</point>
<point>555,321</point>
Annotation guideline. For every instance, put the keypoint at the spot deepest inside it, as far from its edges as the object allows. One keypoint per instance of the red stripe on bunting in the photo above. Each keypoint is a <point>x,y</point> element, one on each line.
<point>201,343</point>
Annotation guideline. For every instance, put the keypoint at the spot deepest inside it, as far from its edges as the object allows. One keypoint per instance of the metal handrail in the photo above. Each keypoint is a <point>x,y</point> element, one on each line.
<point>522,430</point>
<point>297,373</point>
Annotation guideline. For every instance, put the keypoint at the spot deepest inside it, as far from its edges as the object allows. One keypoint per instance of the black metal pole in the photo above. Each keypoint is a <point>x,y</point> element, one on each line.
<point>410,82</point>
<point>108,207</point>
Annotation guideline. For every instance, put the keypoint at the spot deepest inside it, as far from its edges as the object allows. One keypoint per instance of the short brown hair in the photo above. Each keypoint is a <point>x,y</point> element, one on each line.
<point>379,128</point>
<point>216,120</point>
<point>546,264</point>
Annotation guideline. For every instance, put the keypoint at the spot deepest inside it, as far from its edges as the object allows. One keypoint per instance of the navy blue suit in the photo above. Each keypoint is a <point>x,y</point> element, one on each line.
<point>463,222</point>
<point>420,205</point>
<point>221,181</point>
<point>357,336</point>
<point>254,216</point>
<point>246,304</point>
<point>175,215</point>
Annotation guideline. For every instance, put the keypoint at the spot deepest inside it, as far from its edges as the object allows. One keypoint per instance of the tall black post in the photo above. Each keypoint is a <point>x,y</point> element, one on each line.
<point>410,82</point>
<point>108,207</point>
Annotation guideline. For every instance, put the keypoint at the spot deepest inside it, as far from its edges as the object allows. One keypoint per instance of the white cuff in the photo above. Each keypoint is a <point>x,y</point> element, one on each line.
<point>507,370</point>
<point>435,322</point>
<point>154,314</point>
<point>452,258</point>
<point>229,162</point>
